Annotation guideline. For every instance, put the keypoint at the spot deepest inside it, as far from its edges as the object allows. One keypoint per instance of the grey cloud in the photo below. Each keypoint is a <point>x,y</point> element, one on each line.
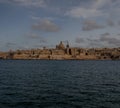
<point>42,40</point>
<point>92,40</point>
<point>119,23</point>
<point>79,40</point>
<point>110,40</point>
<point>104,37</point>
<point>37,18</point>
<point>9,44</point>
<point>46,25</point>
<point>91,8</point>
<point>100,3</point>
<point>36,37</point>
<point>79,12</point>
<point>88,42</point>
<point>110,23</point>
<point>91,25</point>
<point>105,34</point>
<point>34,3</point>
<point>95,8</point>
<point>94,44</point>
<point>105,40</point>
<point>32,36</point>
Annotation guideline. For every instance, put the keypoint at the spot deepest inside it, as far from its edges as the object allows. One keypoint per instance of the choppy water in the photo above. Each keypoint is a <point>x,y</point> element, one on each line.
<point>59,84</point>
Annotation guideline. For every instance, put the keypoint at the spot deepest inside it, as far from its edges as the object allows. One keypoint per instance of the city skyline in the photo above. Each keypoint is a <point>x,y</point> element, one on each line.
<point>28,24</point>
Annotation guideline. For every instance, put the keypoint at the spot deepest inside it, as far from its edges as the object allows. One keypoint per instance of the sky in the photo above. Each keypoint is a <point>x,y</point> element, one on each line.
<point>27,24</point>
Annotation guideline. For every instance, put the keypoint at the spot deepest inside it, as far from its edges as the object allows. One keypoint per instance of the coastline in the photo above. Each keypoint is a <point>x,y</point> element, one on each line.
<point>62,52</point>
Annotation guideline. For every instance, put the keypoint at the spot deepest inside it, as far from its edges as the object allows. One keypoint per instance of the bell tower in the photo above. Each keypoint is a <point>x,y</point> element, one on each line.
<point>67,48</point>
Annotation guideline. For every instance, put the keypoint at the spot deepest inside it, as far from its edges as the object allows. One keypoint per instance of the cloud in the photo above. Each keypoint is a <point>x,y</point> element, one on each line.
<point>32,36</point>
<point>95,8</point>
<point>110,40</point>
<point>33,3</point>
<point>105,37</point>
<point>35,36</point>
<point>46,25</point>
<point>105,34</point>
<point>95,44</point>
<point>91,25</point>
<point>98,4</point>
<point>37,18</point>
<point>9,44</point>
<point>104,40</point>
<point>79,12</point>
<point>89,42</point>
<point>110,23</point>
<point>118,23</point>
<point>79,40</point>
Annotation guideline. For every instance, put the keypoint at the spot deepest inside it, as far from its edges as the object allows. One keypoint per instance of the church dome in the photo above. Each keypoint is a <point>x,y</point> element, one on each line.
<point>61,46</point>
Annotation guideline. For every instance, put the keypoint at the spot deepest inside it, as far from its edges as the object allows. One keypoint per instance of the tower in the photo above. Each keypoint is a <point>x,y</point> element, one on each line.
<point>67,48</point>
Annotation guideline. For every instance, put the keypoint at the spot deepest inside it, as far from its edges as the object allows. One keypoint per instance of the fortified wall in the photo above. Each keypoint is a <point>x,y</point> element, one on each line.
<point>64,52</point>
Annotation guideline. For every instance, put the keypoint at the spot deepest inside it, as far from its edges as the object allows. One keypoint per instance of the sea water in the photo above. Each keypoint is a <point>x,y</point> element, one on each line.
<point>59,84</point>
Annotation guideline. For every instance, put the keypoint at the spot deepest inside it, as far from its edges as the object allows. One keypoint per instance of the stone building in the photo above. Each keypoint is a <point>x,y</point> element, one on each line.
<point>64,52</point>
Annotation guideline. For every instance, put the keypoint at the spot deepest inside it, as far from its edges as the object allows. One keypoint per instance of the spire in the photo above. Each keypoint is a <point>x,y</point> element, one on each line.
<point>67,46</point>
